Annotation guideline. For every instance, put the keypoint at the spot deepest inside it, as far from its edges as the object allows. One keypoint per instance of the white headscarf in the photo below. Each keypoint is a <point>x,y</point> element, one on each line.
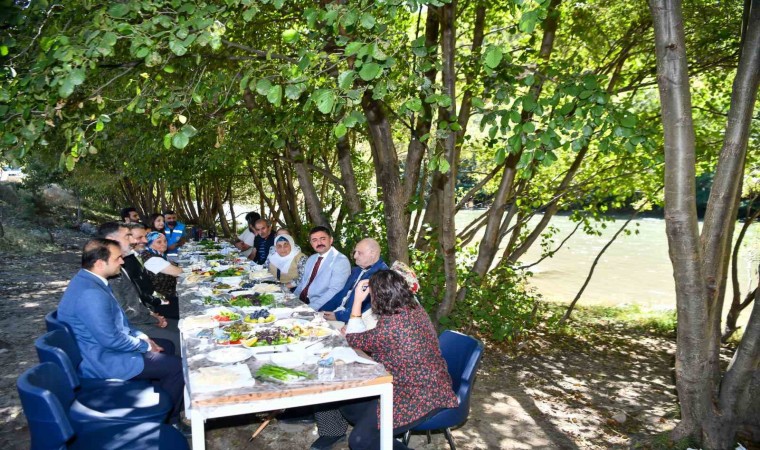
<point>283,262</point>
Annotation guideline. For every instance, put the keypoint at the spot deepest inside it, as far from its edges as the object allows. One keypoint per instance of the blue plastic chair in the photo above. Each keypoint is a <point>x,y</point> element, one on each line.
<point>72,351</point>
<point>45,392</point>
<point>462,354</point>
<point>119,401</point>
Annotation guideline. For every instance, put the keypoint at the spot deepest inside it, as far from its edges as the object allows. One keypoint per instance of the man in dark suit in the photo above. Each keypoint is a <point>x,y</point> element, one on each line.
<point>367,258</point>
<point>110,346</point>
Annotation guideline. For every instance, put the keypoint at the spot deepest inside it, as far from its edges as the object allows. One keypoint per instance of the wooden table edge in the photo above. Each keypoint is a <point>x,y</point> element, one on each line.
<point>258,396</point>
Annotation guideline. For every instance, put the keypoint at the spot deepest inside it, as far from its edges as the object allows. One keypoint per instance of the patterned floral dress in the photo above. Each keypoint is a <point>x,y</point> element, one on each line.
<point>407,345</point>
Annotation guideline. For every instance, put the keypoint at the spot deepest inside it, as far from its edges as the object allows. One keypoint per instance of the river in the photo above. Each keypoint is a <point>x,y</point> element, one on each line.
<point>635,269</point>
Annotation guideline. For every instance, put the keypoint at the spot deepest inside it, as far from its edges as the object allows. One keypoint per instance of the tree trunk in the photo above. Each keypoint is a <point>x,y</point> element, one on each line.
<point>490,243</point>
<point>387,175</point>
<point>448,198</point>
<point>708,405</point>
<point>737,306</point>
<point>694,389</point>
<point>313,204</point>
<point>723,203</point>
<point>347,176</point>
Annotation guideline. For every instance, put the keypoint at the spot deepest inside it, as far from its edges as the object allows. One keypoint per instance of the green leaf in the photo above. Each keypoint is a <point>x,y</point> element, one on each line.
<point>414,104</point>
<point>377,53</point>
<point>493,56</point>
<point>263,86</point>
<point>528,21</point>
<point>443,165</point>
<point>529,103</point>
<point>70,161</point>
<point>275,95</point>
<point>278,3</point>
<point>501,155</point>
<point>353,48</point>
<point>346,79</point>
<point>180,140</point>
<point>99,126</point>
<point>324,99</point>
<point>340,130</point>
<point>290,36</point>
<point>167,141</point>
<point>294,91</point>
<point>628,121</point>
<point>76,77</point>
<point>3,50</point>
<point>367,21</point>
<point>370,71</point>
<point>529,127</point>
<point>66,88</point>
<point>478,103</point>
<point>188,130</point>
<point>249,13</point>
<point>119,10</point>
<point>169,69</point>
<point>177,48</point>
<point>549,159</point>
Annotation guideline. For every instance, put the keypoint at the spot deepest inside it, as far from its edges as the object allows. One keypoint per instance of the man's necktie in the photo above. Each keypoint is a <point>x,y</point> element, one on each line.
<point>305,293</point>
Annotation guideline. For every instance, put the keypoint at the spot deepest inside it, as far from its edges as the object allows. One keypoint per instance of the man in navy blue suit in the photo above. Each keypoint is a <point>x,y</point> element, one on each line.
<point>367,258</point>
<point>110,346</point>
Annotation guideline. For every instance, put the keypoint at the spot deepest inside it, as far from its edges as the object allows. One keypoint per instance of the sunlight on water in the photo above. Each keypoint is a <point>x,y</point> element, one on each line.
<point>634,270</point>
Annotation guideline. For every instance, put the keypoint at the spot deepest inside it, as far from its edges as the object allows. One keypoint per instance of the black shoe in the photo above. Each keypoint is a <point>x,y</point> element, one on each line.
<point>326,442</point>
<point>299,420</point>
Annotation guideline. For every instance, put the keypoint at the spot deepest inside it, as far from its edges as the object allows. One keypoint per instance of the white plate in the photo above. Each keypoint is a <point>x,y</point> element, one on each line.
<point>228,355</point>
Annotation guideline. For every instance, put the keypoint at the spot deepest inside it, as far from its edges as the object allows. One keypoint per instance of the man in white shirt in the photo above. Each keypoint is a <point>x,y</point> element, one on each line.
<point>246,238</point>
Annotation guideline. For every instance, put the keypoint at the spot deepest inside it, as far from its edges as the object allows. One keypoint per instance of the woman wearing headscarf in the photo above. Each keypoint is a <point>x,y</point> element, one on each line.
<point>163,274</point>
<point>287,262</point>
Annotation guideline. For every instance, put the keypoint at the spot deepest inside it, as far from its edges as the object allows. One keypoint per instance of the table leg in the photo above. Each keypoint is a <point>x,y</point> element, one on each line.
<point>386,418</point>
<point>199,431</point>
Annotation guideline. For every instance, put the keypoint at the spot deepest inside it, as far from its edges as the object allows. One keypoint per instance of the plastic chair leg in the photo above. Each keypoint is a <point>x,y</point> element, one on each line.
<point>407,435</point>
<point>430,438</point>
<point>450,438</point>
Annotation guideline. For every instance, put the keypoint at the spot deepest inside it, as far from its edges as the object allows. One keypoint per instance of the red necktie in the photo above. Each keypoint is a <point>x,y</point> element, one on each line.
<point>305,293</point>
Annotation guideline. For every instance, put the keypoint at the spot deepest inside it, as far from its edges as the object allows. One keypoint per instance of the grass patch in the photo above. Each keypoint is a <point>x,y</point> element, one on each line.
<point>663,441</point>
<point>656,322</point>
<point>25,241</point>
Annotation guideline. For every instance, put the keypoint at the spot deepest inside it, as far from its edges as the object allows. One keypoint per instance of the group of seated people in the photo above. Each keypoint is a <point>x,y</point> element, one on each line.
<point>123,308</point>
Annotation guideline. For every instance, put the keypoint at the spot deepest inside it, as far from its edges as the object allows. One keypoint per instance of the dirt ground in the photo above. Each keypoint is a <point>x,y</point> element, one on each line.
<point>558,392</point>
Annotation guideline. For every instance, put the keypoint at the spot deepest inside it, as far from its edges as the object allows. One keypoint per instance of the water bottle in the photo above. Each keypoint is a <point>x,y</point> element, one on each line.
<point>326,369</point>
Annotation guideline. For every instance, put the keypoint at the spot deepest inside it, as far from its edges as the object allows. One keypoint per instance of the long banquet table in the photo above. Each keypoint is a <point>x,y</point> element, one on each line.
<point>350,381</point>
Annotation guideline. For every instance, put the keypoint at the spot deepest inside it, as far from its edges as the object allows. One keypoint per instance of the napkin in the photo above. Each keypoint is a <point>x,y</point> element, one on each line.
<point>348,356</point>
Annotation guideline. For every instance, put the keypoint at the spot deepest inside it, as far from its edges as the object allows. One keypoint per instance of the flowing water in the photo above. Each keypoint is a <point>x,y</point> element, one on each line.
<point>635,269</point>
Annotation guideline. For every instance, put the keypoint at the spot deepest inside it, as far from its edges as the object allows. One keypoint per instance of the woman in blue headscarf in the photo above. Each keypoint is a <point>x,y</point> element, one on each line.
<point>162,273</point>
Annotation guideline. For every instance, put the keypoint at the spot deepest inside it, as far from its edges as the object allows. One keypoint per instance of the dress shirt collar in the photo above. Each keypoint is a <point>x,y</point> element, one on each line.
<point>101,278</point>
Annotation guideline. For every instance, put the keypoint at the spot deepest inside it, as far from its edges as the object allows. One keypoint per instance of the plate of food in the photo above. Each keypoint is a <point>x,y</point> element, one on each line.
<point>224,315</point>
<point>215,378</point>
<point>193,322</point>
<point>270,339</point>
<point>260,274</point>
<point>254,299</point>
<point>228,355</point>
<point>266,288</point>
<point>233,334</point>
<point>279,374</point>
<point>258,316</point>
